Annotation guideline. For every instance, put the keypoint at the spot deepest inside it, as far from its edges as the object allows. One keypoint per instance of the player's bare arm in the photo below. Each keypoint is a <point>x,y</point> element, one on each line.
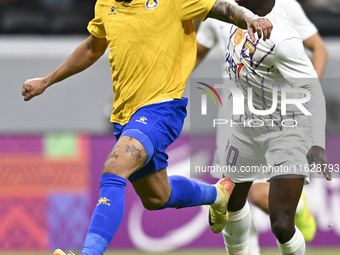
<point>242,18</point>
<point>317,46</point>
<point>201,53</point>
<point>84,56</point>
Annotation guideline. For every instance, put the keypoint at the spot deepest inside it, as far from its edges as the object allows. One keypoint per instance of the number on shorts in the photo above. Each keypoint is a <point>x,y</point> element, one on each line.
<point>232,156</point>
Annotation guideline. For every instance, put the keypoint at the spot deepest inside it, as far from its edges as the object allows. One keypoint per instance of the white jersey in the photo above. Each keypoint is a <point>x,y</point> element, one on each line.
<point>302,24</point>
<point>212,31</point>
<point>276,63</point>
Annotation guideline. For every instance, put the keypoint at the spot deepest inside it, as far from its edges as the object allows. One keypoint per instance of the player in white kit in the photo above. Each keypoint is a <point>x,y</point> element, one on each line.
<point>263,66</point>
<point>213,32</point>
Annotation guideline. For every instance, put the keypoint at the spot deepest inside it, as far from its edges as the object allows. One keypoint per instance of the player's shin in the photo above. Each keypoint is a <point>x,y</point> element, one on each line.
<point>236,231</point>
<point>107,216</point>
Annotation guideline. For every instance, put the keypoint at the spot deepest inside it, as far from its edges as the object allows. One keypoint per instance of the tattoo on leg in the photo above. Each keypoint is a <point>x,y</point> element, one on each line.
<point>136,154</point>
<point>113,153</point>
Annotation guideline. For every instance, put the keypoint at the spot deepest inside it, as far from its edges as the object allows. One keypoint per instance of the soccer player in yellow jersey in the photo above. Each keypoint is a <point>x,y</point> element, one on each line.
<point>152,53</point>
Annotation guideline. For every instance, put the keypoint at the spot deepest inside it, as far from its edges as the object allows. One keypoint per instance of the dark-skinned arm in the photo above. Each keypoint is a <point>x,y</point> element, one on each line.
<point>318,48</point>
<point>202,51</point>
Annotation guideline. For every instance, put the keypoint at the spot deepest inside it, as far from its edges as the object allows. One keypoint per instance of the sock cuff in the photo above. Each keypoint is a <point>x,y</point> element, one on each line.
<point>293,244</point>
<point>238,215</point>
<point>109,179</point>
<point>238,249</point>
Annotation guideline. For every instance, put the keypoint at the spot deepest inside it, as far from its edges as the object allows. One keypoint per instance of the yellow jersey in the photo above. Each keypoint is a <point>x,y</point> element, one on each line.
<point>152,47</point>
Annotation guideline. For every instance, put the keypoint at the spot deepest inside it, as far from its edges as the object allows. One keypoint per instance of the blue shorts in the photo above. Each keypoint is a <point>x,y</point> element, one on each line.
<point>162,123</point>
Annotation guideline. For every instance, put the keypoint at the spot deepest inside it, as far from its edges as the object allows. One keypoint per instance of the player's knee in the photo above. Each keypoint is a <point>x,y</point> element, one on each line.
<point>110,166</point>
<point>122,166</point>
<point>283,230</point>
<point>153,204</point>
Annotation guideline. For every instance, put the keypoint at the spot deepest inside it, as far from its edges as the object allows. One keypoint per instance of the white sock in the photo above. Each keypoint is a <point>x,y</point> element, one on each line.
<point>295,246</point>
<point>236,232</point>
<point>253,242</point>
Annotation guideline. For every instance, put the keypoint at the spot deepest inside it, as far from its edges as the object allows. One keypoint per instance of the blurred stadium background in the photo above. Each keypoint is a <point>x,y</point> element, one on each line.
<point>53,147</point>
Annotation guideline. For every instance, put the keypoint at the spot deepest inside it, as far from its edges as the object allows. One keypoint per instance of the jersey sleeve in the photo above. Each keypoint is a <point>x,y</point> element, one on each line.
<point>295,66</point>
<point>96,26</point>
<point>301,22</point>
<point>206,35</point>
<point>194,9</point>
<point>292,61</point>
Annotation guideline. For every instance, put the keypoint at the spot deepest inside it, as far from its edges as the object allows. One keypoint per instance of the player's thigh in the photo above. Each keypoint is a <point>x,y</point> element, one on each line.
<point>284,195</point>
<point>156,126</point>
<point>286,152</point>
<point>243,156</point>
<point>127,156</point>
<point>258,195</point>
<point>154,190</point>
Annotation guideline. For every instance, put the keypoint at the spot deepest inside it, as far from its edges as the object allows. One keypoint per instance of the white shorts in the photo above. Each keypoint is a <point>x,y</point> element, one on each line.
<point>253,154</point>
